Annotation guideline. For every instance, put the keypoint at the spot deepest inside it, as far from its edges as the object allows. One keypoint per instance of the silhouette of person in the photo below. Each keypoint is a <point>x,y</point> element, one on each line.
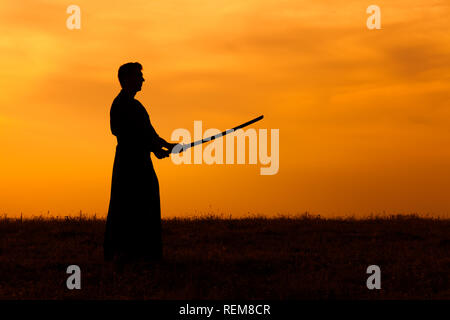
<point>133,225</point>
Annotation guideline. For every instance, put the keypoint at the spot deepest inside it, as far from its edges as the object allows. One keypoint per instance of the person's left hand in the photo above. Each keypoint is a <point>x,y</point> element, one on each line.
<point>161,153</point>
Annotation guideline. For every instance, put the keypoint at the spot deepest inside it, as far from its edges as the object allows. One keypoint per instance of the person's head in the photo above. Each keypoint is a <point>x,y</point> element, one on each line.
<point>130,76</point>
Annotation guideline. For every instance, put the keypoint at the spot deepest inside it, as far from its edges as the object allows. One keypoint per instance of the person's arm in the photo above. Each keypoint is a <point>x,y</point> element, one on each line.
<point>124,125</point>
<point>159,143</point>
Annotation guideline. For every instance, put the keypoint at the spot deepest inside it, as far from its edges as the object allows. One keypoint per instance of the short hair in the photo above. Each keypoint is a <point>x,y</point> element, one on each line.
<point>128,69</point>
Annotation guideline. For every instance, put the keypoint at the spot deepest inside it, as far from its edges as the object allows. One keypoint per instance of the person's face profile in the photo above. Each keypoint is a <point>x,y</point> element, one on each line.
<point>135,81</point>
<point>140,80</point>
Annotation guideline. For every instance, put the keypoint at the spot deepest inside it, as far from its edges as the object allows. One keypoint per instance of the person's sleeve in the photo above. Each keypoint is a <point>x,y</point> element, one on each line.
<point>155,141</point>
<point>124,125</point>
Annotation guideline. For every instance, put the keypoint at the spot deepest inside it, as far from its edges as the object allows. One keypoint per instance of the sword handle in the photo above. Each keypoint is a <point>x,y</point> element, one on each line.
<point>179,148</point>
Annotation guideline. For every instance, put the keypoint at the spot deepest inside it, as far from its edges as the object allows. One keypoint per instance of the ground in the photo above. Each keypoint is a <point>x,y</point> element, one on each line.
<point>215,258</point>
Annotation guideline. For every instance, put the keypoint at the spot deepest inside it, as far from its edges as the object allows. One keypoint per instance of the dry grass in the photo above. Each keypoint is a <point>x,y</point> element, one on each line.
<point>217,258</point>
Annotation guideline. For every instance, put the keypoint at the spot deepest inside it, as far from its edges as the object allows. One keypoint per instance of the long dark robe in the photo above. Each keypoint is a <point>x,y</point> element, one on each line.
<point>133,225</point>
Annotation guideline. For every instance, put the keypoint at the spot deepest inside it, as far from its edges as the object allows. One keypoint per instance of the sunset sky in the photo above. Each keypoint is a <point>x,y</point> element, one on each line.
<point>363,115</point>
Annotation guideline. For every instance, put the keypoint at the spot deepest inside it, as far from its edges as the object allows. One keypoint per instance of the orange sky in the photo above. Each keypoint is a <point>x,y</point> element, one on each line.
<point>363,114</point>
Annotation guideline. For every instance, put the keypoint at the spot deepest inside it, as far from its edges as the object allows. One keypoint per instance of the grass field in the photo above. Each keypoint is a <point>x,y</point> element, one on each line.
<point>214,258</point>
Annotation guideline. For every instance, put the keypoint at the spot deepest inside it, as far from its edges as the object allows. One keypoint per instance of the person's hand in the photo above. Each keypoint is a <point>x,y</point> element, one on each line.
<point>161,153</point>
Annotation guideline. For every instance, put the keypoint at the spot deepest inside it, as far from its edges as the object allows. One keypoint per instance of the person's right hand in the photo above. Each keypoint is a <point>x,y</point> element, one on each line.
<point>161,153</point>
